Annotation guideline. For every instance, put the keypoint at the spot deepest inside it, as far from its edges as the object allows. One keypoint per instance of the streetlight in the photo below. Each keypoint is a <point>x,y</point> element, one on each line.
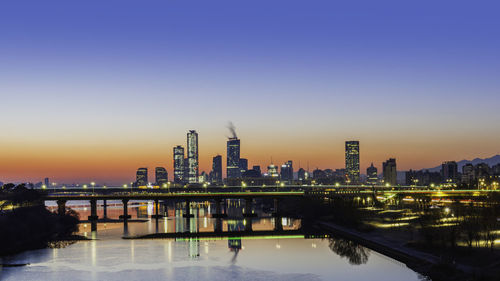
<point>93,186</point>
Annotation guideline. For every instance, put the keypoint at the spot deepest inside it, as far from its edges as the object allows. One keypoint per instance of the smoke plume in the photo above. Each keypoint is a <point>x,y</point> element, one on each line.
<point>232,129</point>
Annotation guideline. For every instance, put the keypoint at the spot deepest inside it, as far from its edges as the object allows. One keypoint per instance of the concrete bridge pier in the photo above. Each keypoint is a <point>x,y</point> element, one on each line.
<point>61,207</point>
<point>125,215</point>
<point>278,225</point>
<point>157,210</point>
<point>105,208</point>
<point>93,210</point>
<point>248,224</point>
<point>218,224</point>
<point>187,212</point>
<point>218,209</point>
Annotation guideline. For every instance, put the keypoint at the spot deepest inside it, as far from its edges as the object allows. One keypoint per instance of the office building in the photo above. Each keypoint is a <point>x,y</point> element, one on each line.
<point>179,164</point>
<point>217,170</point>
<point>302,175</point>
<point>287,172</point>
<point>257,168</point>
<point>272,171</point>
<point>243,165</point>
<point>390,172</point>
<point>192,157</point>
<point>141,177</point>
<point>233,158</point>
<point>468,176</point>
<point>371,175</point>
<point>352,161</point>
<point>449,171</point>
<point>161,176</point>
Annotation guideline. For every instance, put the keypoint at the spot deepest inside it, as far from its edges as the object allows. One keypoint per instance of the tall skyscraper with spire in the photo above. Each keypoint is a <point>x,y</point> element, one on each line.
<point>192,157</point>
<point>352,161</point>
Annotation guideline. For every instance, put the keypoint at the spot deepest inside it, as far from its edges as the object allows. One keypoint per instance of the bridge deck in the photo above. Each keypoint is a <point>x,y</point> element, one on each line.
<point>184,196</point>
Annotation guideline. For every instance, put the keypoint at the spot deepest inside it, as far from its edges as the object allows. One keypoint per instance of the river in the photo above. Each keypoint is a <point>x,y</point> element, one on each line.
<point>261,257</point>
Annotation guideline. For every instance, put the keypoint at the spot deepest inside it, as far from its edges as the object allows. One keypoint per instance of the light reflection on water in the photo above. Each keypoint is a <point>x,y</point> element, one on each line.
<point>249,258</point>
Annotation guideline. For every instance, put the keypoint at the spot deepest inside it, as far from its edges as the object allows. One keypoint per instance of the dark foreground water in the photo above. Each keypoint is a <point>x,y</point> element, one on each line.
<point>270,257</point>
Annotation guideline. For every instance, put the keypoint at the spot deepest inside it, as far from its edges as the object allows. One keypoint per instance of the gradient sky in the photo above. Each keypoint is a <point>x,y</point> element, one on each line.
<point>91,90</point>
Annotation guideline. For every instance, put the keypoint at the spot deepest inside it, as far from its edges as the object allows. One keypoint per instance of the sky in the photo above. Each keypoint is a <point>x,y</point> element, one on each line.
<point>92,90</point>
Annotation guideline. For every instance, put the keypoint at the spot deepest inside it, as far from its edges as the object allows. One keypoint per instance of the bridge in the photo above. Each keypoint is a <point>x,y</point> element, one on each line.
<point>217,194</point>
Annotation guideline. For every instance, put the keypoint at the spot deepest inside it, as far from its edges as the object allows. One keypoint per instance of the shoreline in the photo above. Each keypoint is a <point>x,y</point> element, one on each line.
<point>421,262</point>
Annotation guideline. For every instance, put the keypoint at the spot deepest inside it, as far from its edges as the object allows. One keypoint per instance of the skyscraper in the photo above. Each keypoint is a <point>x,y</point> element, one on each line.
<point>233,158</point>
<point>243,165</point>
<point>449,171</point>
<point>46,182</point>
<point>302,174</point>
<point>161,176</point>
<point>178,164</point>
<point>389,172</point>
<point>141,177</point>
<point>192,157</point>
<point>217,170</point>
<point>287,171</point>
<point>372,175</point>
<point>272,171</point>
<point>352,161</point>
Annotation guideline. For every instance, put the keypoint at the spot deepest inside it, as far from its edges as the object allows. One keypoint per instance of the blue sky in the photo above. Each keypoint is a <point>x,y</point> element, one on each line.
<point>394,74</point>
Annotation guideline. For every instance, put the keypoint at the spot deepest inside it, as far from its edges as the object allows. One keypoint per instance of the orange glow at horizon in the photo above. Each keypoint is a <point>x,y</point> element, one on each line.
<point>116,163</point>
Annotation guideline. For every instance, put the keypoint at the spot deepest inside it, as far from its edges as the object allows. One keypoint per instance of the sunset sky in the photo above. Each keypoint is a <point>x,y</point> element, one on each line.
<point>92,90</point>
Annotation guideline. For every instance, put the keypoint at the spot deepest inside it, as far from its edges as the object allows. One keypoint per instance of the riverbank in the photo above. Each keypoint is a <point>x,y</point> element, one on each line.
<point>422,262</point>
<point>34,227</point>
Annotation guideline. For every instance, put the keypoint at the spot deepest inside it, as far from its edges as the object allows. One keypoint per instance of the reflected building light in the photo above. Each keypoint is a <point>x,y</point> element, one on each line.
<point>132,250</point>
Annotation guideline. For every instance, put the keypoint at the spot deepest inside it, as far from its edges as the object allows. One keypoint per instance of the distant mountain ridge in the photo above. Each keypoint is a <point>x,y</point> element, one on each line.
<point>490,161</point>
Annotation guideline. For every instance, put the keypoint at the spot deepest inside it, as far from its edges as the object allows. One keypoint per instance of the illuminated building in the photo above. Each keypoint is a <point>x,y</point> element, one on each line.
<point>233,158</point>
<point>272,171</point>
<point>352,161</point>
<point>449,171</point>
<point>390,172</point>
<point>141,177</point>
<point>217,170</point>
<point>161,176</point>
<point>243,165</point>
<point>192,157</point>
<point>179,164</point>
<point>302,175</point>
<point>372,175</point>
<point>46,182</point>
<point>287,171</point>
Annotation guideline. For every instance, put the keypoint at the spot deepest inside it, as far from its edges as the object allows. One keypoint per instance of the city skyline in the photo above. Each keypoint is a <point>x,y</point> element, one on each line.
<point>94,100</point>
<point>208,167</point>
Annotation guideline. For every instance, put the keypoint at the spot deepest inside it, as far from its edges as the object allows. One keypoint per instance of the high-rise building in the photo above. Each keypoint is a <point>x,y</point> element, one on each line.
<point>302,175</point>
<point>179,164</point>
<point>141,177</point>
<point>233,158</point>
<point>495,169</point>
<point>468,174</point>
<point>449,171</point>
<point>482,171</point>
<point>371,175</point>
<point>390,172</point>
<point>287,171</point>
<point>352,161</point>
<point>217,169</point>
<point>46,182</point>
<point>257,168</point>
<point>243,165</point>
<point>192,157</point>
<point>161,176</point>
<point>272,171</point>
